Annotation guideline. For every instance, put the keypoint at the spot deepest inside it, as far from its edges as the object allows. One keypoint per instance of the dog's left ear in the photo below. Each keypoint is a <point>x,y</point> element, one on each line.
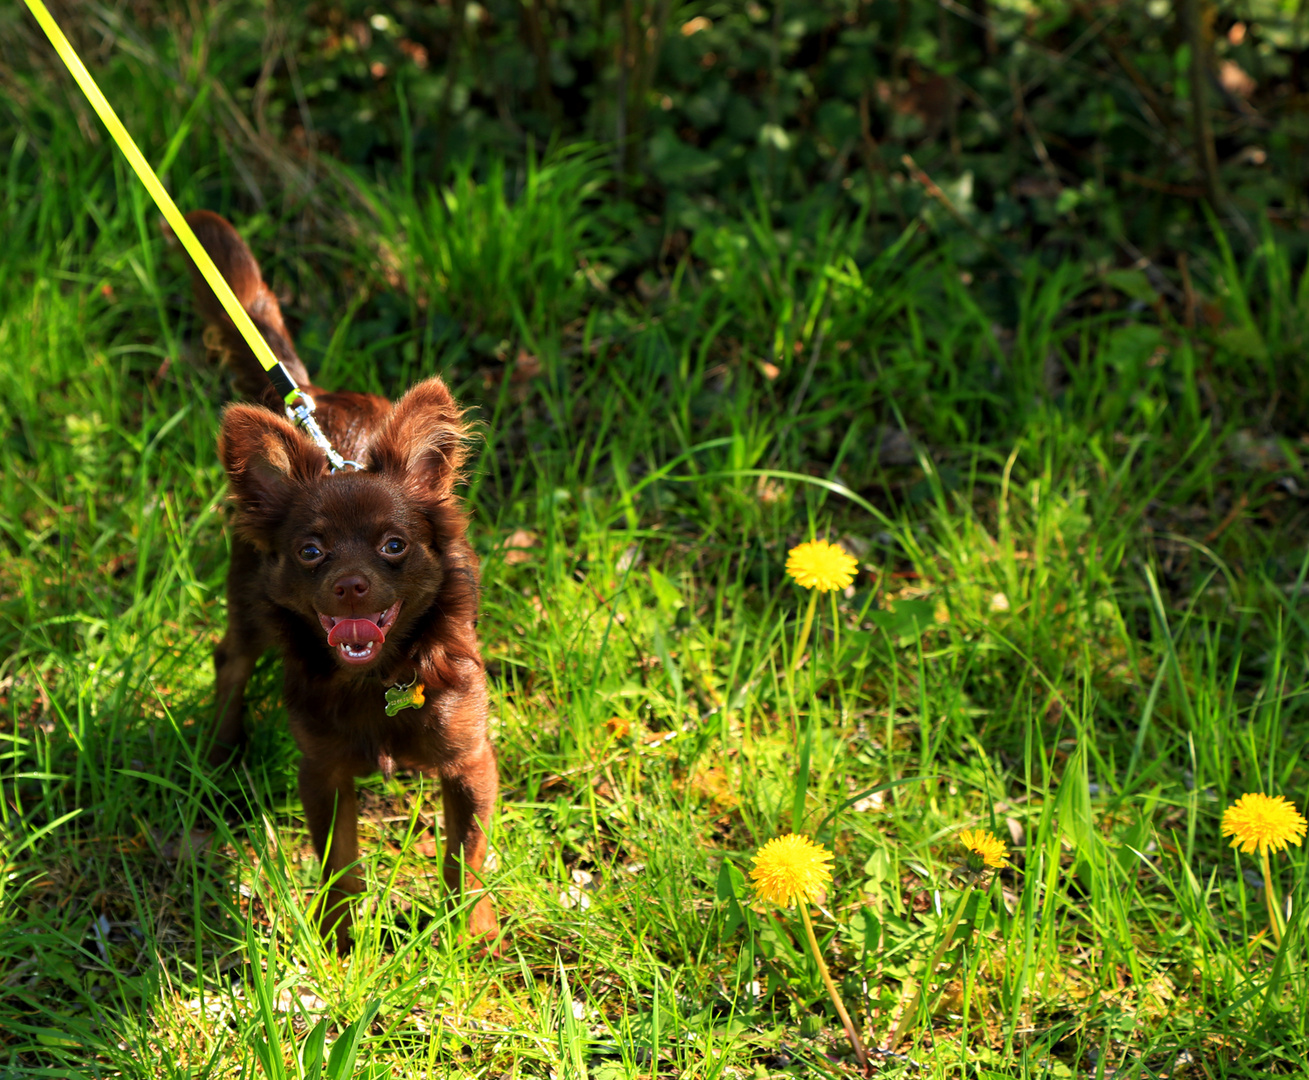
<point>425,442</point>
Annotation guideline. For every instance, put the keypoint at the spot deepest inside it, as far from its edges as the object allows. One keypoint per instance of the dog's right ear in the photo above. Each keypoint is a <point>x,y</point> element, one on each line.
<point>267,462</point>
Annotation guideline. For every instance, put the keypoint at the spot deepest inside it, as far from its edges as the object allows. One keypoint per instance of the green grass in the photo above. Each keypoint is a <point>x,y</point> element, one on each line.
<point>1077,623</point>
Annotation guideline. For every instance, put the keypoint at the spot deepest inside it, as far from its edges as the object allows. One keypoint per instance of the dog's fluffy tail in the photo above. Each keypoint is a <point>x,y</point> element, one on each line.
<point>238,266</point>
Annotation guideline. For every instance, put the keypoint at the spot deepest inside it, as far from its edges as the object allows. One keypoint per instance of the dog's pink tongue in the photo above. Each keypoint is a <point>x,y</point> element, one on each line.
<point>355,632</point>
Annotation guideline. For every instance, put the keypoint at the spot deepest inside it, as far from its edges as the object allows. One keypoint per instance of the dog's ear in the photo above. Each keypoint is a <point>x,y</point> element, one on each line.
<point>267,461</point>
<point>424,443</point>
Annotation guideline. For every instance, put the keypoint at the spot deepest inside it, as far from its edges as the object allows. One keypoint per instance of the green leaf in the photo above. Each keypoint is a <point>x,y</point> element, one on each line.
<point>311,1050</point>
<point>675,162</point>
<point>731,881</point>
<point>52,1038</point>
<point>872,930</point>
<point>731,885</point>
<point>666,593</point>
<point>905,618</point>
<point>341,1061</point>
<point>1245,341</point>
<point>271,1063</point>
<point>1132,283</point>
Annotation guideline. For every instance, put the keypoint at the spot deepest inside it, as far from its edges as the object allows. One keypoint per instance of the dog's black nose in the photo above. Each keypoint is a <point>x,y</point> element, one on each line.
<point>352,587</point>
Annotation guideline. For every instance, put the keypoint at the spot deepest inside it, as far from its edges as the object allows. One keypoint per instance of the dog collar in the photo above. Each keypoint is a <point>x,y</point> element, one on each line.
<point>404,696</point>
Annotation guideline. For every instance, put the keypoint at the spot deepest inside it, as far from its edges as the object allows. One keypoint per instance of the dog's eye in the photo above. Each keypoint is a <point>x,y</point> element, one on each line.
<point>394,546</point>
<point>311,553</point>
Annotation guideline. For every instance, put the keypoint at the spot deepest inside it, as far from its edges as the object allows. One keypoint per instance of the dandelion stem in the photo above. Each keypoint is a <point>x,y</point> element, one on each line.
<point>853,1035</point>
<point>836,627</point>
<point>805,627</point>
<point>1270,897</point>
<point>910,1011</point>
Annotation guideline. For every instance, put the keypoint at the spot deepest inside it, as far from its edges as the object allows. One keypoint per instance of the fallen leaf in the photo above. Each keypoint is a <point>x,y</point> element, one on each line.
<point>526,366</point>
<point>1235,80</point>
<point>516,546</point>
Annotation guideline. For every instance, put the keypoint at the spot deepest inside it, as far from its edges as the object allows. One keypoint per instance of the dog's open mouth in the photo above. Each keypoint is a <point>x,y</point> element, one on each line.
<point>359,639</point>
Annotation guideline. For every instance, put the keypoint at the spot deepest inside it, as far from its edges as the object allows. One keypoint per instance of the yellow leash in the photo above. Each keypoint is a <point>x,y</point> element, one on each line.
<point>299,405</point>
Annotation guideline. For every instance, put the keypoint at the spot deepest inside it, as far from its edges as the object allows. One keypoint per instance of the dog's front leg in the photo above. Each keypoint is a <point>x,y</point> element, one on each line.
<point>468,791</point>
<point>331,812</point>
<point>237,654</point>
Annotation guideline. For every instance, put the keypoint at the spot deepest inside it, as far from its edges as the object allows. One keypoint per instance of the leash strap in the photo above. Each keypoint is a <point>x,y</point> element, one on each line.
<point>299,405</point>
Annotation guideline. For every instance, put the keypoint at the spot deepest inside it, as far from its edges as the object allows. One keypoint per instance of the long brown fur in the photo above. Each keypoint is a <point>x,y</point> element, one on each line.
<point>289,507</point>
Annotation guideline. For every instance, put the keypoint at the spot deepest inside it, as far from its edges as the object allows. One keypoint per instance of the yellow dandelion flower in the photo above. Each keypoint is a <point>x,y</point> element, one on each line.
<point>821,565</point>
<point>1262,823</point>
<point>791,868</point>
<point>990,849</point>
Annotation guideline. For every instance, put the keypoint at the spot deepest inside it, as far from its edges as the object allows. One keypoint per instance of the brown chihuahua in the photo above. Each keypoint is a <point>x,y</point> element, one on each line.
<point>363,580</point>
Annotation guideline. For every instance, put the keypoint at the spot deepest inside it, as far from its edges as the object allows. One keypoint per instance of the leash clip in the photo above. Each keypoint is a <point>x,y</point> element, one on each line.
<point>300,411</point>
